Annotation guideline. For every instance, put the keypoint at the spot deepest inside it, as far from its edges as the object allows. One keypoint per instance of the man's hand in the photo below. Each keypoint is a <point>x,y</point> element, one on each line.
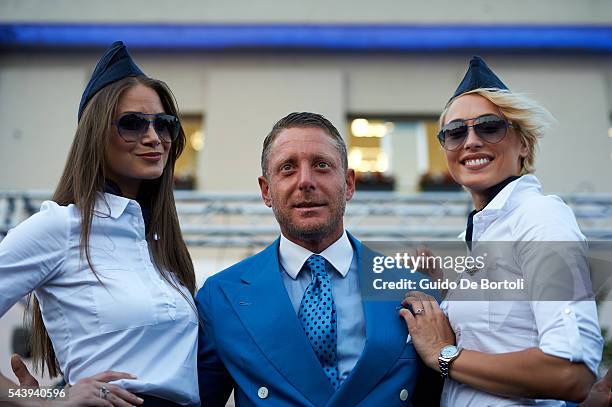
<point>601,393</point>
<point>21,371</point>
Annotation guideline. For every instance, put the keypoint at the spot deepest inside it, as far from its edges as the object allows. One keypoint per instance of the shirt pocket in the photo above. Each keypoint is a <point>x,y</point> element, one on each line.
<point>124,300</point>
<point>500,314</point>
<point>468,316</point>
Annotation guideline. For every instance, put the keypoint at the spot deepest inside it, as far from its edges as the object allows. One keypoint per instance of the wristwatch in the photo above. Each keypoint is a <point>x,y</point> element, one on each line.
<point>447,355</point>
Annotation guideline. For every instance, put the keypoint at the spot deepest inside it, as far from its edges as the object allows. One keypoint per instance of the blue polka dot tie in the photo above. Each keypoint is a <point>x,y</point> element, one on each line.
<point>318,317</point>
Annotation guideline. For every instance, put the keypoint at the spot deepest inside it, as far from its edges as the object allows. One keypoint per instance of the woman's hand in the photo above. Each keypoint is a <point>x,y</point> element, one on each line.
<point>90,391</point>
<point>601,393</point>
<point>433,272</point>
<point>86,392</point>
<point>21,372</point>
<point>428,327</point>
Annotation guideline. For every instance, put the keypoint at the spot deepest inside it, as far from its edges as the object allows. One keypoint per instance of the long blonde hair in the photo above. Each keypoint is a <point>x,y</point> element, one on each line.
<point>83,179</point>
<point>531,119</point>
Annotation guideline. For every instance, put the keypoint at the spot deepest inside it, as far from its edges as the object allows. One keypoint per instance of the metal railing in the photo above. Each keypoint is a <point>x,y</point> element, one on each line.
<point>242,220</point>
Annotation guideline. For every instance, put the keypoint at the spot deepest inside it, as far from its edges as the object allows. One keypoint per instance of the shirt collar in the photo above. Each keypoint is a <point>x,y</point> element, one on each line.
<point>293,256</point>
<point>115,203</point>
<point>506,200</point>
<point>492,193</point>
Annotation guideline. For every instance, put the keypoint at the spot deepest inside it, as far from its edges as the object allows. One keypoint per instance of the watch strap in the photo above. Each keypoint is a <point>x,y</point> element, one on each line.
<point>444,363</point>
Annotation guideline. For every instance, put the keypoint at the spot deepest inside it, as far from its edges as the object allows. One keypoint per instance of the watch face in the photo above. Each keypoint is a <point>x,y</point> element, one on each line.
<point>448,351</point>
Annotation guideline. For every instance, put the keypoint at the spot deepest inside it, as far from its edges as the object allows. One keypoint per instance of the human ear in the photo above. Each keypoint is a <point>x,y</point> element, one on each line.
<point>264,187</point>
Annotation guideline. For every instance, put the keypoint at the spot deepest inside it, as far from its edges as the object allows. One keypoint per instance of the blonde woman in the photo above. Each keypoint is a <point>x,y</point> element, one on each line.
<point>501,353</point>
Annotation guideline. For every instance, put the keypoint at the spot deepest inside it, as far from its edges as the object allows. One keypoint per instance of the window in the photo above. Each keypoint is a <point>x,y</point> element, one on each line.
<point>399,153</point>
<point>185,172</point>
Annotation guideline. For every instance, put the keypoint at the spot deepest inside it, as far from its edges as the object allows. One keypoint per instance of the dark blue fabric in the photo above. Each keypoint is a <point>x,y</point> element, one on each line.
<point>112,188</point>
<point>491,193</point>
<point>152,401</point>
<point>114,65</point>
<point>479,75</point>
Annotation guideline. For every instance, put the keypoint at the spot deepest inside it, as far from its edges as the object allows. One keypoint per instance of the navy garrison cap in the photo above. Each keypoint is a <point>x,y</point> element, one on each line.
<point>479,75</point>
<point>114,65</point>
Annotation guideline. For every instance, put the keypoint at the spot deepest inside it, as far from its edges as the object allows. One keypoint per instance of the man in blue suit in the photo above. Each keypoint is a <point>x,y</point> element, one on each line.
<point>289,326</point>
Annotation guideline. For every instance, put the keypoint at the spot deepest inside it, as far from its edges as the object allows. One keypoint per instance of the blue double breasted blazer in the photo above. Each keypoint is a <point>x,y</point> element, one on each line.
<point>251,341</point>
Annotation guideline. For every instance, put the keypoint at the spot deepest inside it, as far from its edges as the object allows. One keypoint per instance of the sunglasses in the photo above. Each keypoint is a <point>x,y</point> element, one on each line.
<point>132,126</point>
<point>489,127</point>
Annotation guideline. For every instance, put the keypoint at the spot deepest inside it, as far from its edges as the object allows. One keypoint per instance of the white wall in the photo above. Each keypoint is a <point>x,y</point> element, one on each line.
<point>244,103</point>
<point>575,155</point>
<point>38,109</point>
<point>241,96</point>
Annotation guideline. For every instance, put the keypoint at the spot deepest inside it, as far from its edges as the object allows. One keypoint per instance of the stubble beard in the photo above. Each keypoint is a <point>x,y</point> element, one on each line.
<point>311,233</point>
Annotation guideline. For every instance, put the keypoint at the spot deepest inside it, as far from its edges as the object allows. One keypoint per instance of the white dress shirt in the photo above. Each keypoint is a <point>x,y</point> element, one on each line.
<point>345,290</point>
<point>566,329</point>
<point>133,322</point>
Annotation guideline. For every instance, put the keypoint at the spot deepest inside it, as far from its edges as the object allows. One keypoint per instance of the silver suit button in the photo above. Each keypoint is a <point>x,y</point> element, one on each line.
<point>262,392</point>
<point>404,395</point>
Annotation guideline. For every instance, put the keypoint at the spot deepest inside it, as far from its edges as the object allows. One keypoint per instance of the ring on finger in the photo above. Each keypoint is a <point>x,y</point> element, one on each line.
<point>419,311</point>
<point>104,392</point>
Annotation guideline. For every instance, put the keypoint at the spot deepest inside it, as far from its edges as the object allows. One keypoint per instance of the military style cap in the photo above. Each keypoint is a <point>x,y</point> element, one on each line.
<point>479,75</point>
<point>114,65</point>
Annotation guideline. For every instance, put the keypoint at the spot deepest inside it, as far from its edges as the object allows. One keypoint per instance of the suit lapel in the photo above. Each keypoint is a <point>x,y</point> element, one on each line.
<point>385,339</point>
<point>262,304</point>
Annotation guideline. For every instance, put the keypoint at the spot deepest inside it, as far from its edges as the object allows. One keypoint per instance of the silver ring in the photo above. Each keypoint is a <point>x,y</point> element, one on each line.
<point>419,311</point>
<point>104,392</point>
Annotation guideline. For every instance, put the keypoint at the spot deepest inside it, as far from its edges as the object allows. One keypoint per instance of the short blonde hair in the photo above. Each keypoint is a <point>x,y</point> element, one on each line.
<point>530,118</point>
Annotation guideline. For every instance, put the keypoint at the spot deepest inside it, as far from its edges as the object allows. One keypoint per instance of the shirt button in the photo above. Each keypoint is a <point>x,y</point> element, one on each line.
<point>567,311</point>
<point>262,392</point>
<point>404,395</point>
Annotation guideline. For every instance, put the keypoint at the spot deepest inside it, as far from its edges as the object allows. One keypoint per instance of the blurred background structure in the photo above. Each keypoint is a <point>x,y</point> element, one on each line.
<point>381,71</point>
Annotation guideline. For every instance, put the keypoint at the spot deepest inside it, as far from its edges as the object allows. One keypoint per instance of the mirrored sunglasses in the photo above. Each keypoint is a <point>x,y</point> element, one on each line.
<point>490,128</point>
<point>132,126</point>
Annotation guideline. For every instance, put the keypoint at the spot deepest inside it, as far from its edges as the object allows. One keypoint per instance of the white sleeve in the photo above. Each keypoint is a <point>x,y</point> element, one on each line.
<point>570,330</point>
<point>553,257</point>
<point>32,252</point>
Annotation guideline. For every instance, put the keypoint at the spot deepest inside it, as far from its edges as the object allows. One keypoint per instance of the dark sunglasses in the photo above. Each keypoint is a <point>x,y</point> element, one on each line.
<point>132,126</point>
<point>489,127</point>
